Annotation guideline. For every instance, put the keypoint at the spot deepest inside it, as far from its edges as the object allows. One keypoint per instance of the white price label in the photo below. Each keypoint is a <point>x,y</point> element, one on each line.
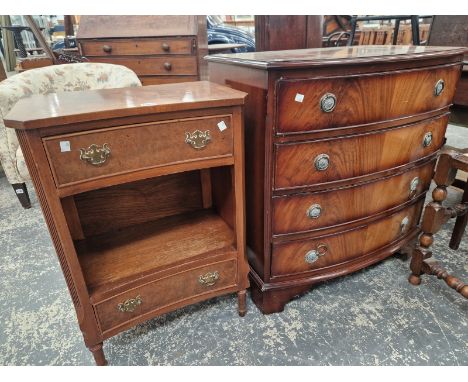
<point>299,97</point>
<point>222,126</point>
<point>65,146</point>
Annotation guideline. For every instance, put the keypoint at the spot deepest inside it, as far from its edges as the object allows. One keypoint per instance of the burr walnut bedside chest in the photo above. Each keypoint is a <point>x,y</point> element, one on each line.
<point>142,190</point>
<point>340,149</point>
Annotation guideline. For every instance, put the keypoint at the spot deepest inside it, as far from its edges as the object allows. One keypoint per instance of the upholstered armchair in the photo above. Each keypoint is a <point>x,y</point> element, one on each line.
<point>50,79</point>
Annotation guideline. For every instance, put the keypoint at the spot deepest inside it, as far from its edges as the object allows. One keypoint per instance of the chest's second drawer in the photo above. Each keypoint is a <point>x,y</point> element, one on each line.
<point>309,212</point>
<point>310,163</point>
<point>99,153</point>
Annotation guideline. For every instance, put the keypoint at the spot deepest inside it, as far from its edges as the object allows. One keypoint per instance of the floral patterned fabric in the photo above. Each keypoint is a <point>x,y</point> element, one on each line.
<point>51,79</point>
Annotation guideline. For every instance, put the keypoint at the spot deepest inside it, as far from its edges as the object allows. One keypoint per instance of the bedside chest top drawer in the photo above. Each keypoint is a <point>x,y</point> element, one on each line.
<point>136,47</point>
<point>311,163</point>
<point>161,294</point>
<point>101,153</point>
<point>146,66</point>
<point>337,102</point>
<point>315,254</point>
<point>310,212</point>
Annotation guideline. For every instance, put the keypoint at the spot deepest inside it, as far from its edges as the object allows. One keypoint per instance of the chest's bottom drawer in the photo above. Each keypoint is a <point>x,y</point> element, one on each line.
<point>309,255</point>
<point>168,291</point>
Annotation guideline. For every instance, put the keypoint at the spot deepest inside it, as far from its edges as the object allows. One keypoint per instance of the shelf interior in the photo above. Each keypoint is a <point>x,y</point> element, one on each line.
<point>111,259</point>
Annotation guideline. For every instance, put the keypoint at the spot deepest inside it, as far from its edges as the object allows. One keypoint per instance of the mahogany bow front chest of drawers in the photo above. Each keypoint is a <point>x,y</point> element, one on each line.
<point>340,149</point>
<point>143,193</point>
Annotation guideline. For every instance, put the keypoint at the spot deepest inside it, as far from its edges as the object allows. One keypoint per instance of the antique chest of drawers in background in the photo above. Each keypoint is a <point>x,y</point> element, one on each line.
<point>143,193</point>
<point>159,49</point>
<point>340,148</point>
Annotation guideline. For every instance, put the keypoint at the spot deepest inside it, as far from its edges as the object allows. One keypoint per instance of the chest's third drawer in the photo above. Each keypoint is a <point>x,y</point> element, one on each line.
<point>100,153</point>
<point>319,210</point>
<point>310,163</point>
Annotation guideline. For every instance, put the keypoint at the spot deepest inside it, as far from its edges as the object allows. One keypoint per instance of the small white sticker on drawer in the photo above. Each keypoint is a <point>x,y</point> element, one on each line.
<point>299,97</point>
<point>222,126</point>
<point>64,146</point>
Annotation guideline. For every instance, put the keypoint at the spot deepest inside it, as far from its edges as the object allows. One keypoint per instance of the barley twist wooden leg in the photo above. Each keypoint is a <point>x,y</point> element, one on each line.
<point>242,302</point>
<point>98,354</point>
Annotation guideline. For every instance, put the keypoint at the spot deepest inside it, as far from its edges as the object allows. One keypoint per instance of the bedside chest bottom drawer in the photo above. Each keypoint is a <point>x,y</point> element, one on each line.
<point>95,154</point>
<point>316,254</point>
<point>165,292</point>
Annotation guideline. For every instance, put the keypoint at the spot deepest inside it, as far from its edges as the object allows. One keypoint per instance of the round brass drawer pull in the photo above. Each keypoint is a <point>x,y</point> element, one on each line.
<point>404,224</point>
<point>168,66</point>
<point>314,211</point>
<point>328,102</point>
<point>209,279</point>
<point>321,162</point>
<point>414,186</point>
<point>439,87</point>
<point>427,140</point>
<point>165,47</point>
<point>314,254</point>
<point>107,48</point>
<point>95,154</point>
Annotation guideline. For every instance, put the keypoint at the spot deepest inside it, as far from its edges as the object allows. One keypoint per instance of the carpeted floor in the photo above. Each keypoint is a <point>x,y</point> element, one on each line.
<point>372,317</point>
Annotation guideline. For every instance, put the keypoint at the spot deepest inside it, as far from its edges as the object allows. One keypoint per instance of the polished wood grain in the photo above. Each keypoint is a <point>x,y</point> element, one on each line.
<point>357,155</point>
<point>362,99</point>
<point>375,137</point>
<point>75,107</point>
<point>118,234</point>
<point>348,204</point>
<point>137,46</point>
<point>146,66</point>
<point>289,258</point>
<point>137,147</point>
<point>355,55</point>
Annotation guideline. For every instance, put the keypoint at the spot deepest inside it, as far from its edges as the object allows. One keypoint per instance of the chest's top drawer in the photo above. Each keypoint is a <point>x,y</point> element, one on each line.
<point>100,153</point>
<point>137,47</point>
<point>312,104</point>
<point>317,162</point>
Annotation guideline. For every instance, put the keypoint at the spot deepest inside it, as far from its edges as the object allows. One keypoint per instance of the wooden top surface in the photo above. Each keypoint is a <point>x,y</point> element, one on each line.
<point>72,107</point>
<point>335,56</point>
<point>136,26</point>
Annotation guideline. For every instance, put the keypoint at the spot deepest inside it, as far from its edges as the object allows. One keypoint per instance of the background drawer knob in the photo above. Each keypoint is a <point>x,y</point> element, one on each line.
<point>168,66</point>
<point>95,154</point>
<point>328,102</point>
<point>130,305</point>
<point>414,186</point>
<point>314,211</point>
<point>427,140</point>
<point>321,162</point>
<point>439,87</point>
<point>107,48</point>
<point>313,255</point>
<point>404,224</point>
<point>209,278</point>
<point>166,47</point>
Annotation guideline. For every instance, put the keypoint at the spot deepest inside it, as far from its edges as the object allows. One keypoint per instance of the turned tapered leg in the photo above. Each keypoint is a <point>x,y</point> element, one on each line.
<point>22,194</point>
<point>242,302</point>
<point>98,354</point>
